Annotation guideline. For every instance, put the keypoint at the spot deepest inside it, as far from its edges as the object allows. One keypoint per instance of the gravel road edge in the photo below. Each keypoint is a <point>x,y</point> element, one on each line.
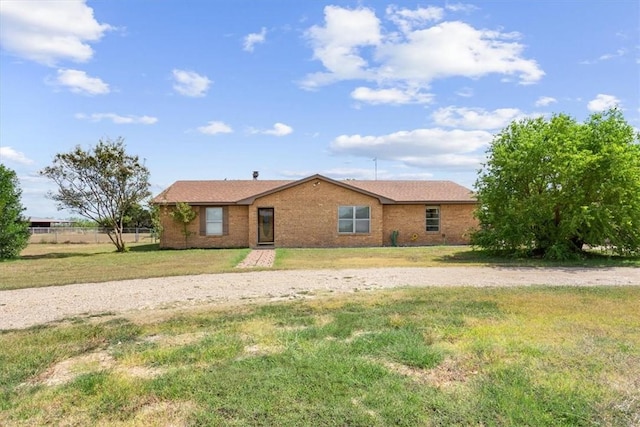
<point>24,308</point>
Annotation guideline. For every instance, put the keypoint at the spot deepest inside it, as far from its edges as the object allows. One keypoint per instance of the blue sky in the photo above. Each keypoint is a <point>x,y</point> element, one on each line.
<point>290,88</point>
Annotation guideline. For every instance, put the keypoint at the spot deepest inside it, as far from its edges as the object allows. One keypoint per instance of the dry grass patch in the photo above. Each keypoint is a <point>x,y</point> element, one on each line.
<point>158,414</point>
<point>69,369</point>
<point>423,256</point>
<point>262,337</point>
<point>176,340</point>
<point>447,374</point>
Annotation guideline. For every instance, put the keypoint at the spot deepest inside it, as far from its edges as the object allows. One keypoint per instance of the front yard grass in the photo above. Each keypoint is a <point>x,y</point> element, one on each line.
<point>552,356</point>
<point>428,256</point>
<point>62,264</point>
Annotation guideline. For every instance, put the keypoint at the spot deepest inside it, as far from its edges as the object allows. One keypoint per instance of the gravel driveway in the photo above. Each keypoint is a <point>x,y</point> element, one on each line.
<point>27,307</point>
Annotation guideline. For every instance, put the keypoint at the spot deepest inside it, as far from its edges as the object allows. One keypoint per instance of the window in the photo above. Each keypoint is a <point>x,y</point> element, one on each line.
<point>214,222</point>
<point>353,219</point>
<point>433,218</point>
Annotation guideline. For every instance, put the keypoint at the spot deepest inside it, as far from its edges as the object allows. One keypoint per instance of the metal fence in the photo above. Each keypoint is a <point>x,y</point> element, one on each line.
<point>88,235</point>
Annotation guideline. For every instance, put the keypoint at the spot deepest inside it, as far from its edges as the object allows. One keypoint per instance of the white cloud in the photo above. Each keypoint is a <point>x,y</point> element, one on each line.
<point>617,54</point>
<point>8,153</point>
<point>352,44</point>
<point>79,82</point>
<point>337,44</point>
<point>602,102</point>
<point>465,92</point>
<point>408,19</point>
<point>460,7</point>
<point>544,101</point>
<point>606,57</point>
<point>456,49</point>
<point>419,147</point>
<point>253,39</point>
<point>117,119</point>
<point>391,96</point>
<point>279,129</point>
<point>48,31</point>
<point>189,83</point>
<point>475,118</point>
<point>214,127</point>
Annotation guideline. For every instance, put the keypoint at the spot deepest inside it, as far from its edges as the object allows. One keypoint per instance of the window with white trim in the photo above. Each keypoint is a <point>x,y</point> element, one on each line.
<point>354,219</point>
<point>433,218</point>
<point>214,222</point>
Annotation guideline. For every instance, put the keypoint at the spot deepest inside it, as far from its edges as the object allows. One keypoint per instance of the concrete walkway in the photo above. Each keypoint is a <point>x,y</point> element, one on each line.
<point>258,258</point>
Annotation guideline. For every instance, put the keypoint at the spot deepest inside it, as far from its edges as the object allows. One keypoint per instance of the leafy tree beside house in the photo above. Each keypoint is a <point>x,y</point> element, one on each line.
<point>101,184</point>
<point>183,214</point>
<point>14,229</point>
<point>550,186</point>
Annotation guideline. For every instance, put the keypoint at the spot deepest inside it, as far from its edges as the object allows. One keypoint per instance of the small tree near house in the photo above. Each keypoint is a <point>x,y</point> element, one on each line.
<point>184,215</point>
<point>156,223</point>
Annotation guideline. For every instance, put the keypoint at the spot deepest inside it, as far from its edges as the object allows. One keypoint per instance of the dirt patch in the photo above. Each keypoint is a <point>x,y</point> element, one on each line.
<point>446,374</point>
<point>68,370</point>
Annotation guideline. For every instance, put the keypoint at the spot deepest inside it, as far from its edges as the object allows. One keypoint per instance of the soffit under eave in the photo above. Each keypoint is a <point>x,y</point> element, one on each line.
<point>210,203</point>
<point>434,202</point>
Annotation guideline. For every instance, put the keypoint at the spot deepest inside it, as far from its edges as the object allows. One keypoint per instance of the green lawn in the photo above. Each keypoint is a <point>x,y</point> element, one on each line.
<point>426,256</point>
<point>60,264</point>
<point>430,357</point>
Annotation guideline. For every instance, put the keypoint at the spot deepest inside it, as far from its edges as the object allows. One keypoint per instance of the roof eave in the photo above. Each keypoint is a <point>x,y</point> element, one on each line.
<point>433,202</point>
<point>207,203</point>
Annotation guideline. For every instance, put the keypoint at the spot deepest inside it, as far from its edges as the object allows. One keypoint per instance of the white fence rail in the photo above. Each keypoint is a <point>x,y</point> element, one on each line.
<point>88,235</point>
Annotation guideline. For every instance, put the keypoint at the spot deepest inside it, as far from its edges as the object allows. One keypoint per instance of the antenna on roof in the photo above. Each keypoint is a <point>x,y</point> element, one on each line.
<point>255,174</point>
<point>375,160</point>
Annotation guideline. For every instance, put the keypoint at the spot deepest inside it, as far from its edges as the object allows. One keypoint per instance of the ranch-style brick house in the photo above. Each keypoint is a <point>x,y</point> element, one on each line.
<point>318,212</point>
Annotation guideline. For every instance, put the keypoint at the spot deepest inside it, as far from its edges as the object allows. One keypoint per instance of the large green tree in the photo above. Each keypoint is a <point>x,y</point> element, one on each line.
<point>137,216</point>
<point>14,230</point>
<point>101,184</point>
<point>550,186</point>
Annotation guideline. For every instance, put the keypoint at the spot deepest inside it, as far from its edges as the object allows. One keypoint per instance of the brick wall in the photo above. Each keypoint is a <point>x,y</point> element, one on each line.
<point>237,237</point>
<point>455,223</point>
<point>306,215</point>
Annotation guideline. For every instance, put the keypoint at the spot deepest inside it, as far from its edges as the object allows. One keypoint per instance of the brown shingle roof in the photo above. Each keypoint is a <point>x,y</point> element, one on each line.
<point>226,192</point>
<point>417,191</point>
<point>244,191</point>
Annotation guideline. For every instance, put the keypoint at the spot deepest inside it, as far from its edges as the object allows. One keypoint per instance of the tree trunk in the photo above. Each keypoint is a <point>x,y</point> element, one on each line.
<point>115,235</point>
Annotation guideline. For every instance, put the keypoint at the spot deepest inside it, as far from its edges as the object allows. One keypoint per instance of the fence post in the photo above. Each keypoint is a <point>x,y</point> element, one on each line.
<point>136,234</point>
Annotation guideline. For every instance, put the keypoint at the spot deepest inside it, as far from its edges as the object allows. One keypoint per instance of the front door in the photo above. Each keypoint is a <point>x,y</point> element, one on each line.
<point>265,226</point>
